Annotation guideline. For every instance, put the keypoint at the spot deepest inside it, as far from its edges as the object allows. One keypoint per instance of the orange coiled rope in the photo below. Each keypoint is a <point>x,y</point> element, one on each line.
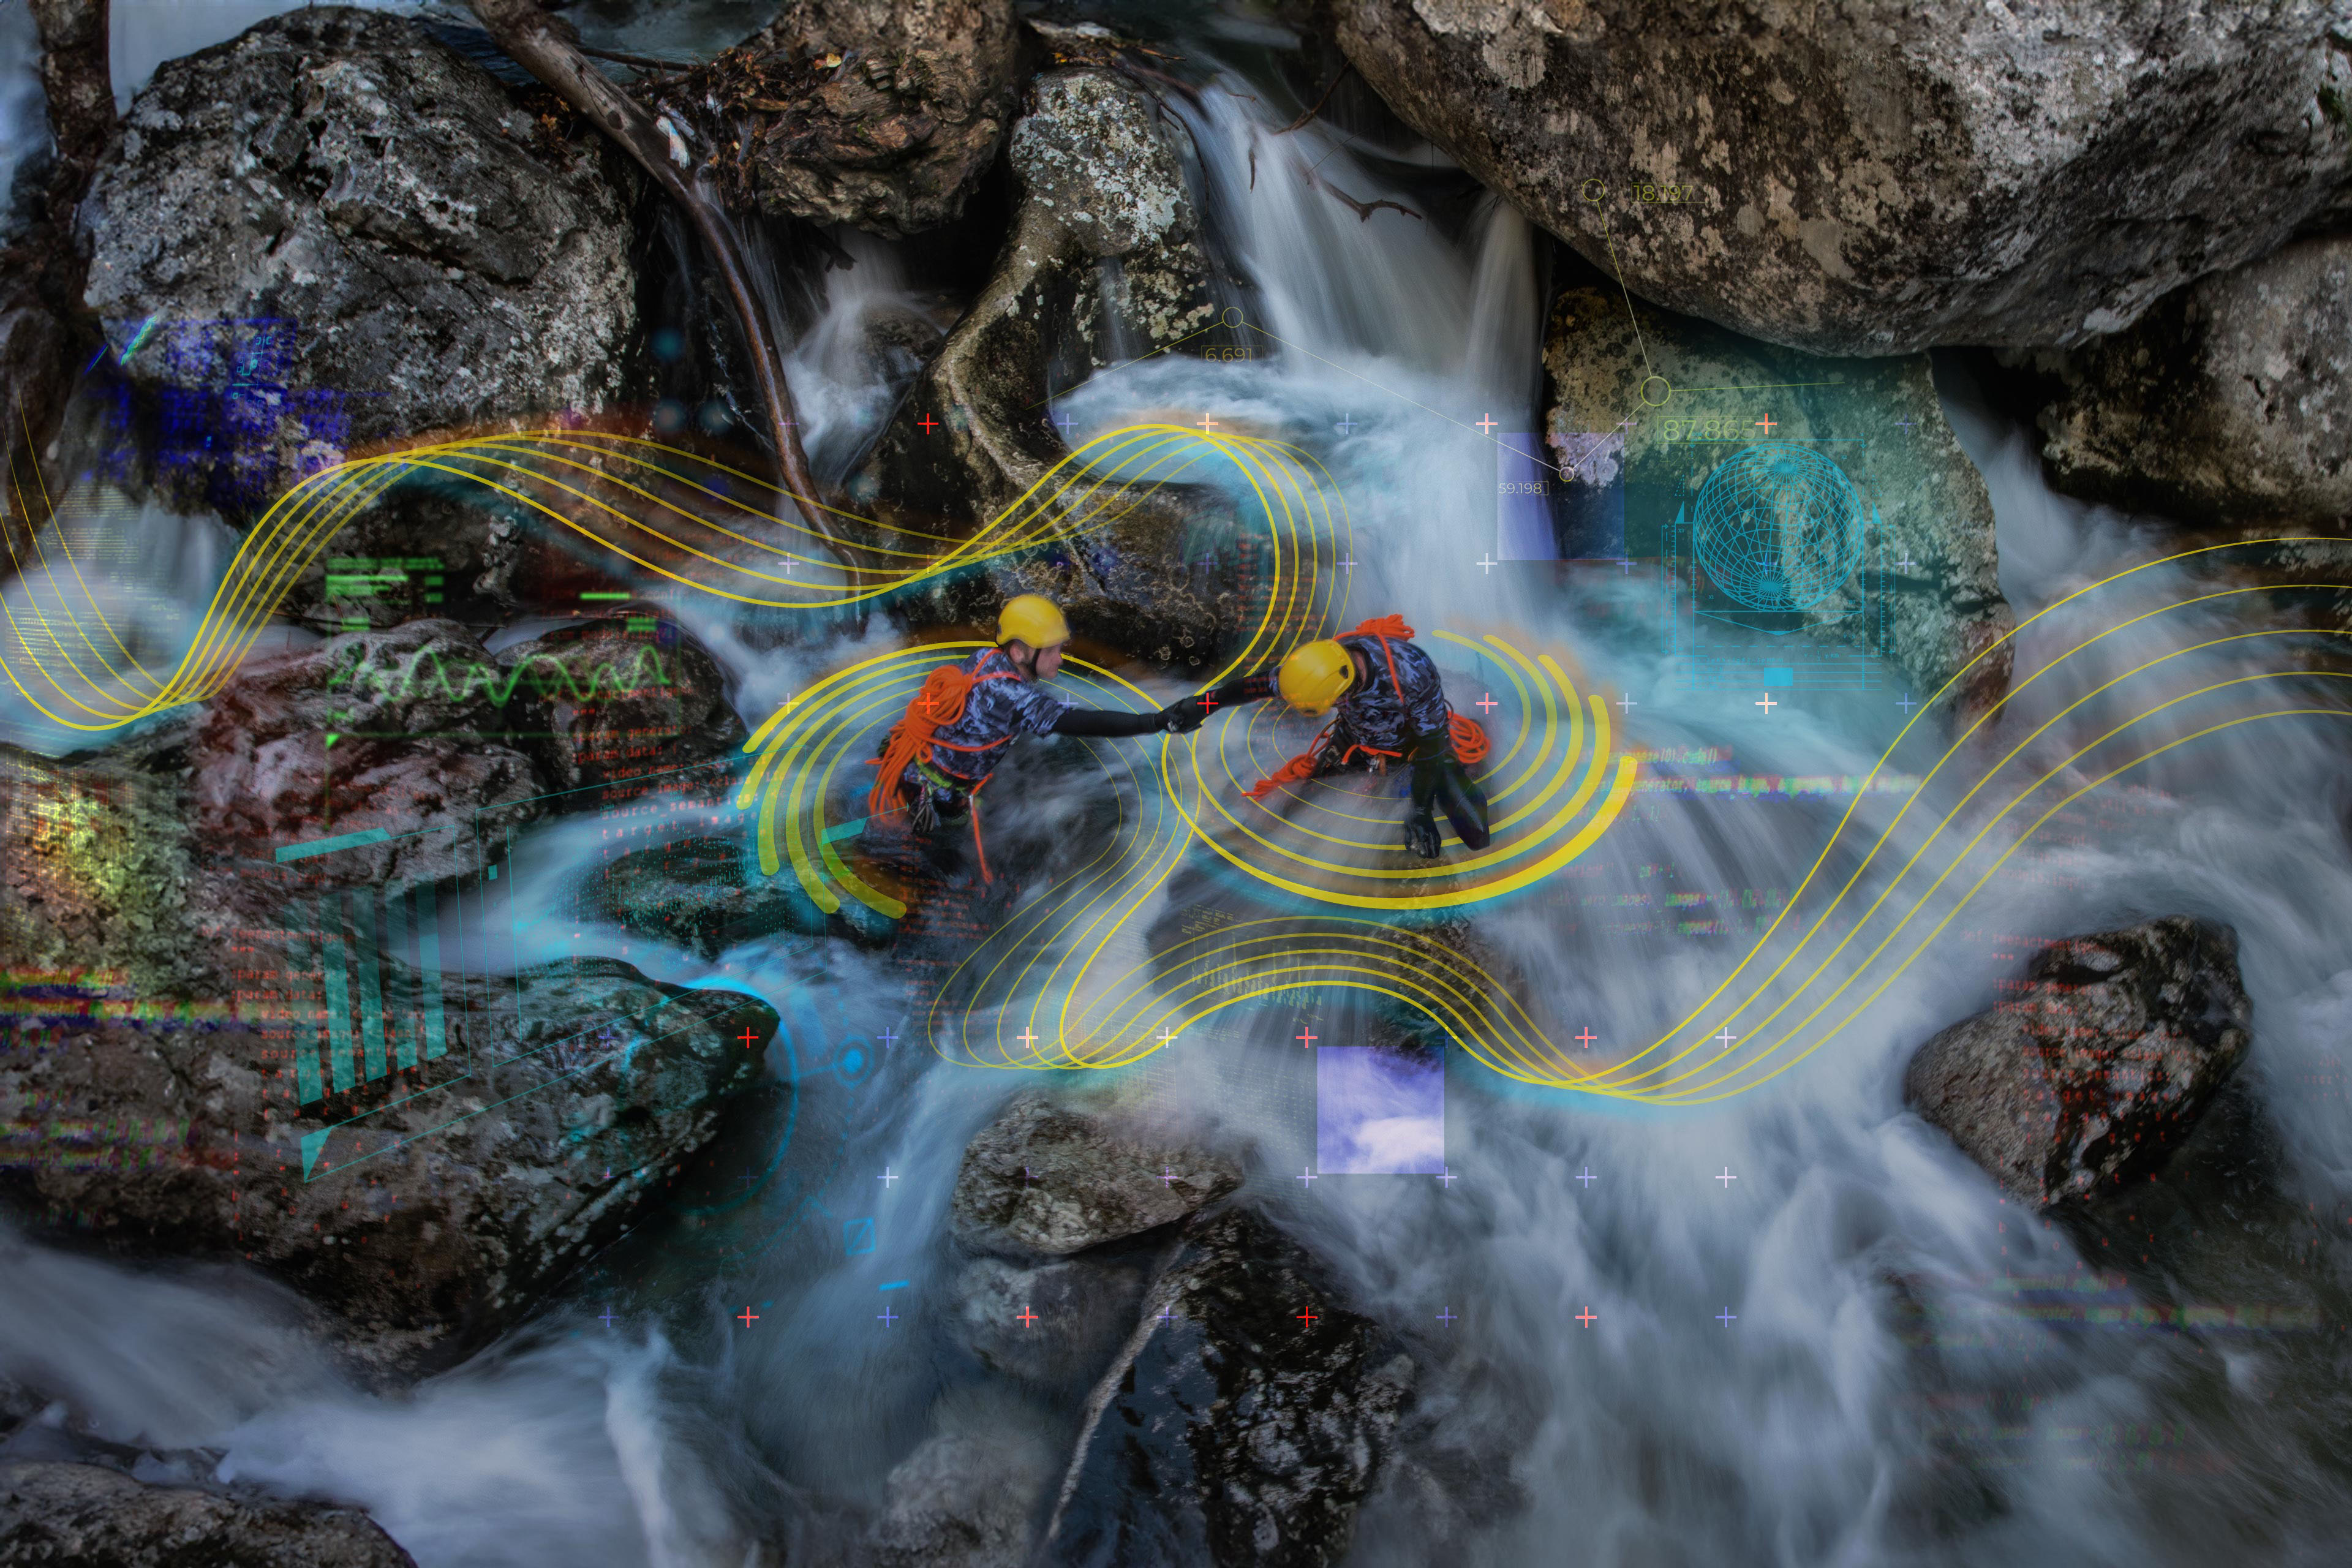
<point>939,704</point>
<point>1468,739</point>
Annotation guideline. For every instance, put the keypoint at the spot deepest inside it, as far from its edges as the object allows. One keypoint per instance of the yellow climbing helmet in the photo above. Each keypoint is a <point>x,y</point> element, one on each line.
<point>1035,619</point>
<point>1316,674</point>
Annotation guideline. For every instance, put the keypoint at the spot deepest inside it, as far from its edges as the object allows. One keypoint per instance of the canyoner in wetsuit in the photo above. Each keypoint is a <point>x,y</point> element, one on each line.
<point>1391,705</point>
<point>958,727</point>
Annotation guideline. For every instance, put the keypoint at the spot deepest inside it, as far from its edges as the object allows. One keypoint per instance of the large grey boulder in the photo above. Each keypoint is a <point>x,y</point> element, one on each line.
<point>1103,265</point>
<point>1244,1426</point>
<point>1043,1180</point>
<point>2229,403</point>
<point>618,704</point>
<point>435,260</point>
<point>1051,1324</point>
<point>2097,1064</point>
<point>429,1201</point>
<point>1943,605</point>
<point>1874,180</point>
<point>101,1518</point>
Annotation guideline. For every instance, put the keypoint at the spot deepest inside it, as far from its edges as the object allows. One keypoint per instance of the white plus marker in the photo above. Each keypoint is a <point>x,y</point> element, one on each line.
<point>1906,705</point>
<point>1727,1178</point>
<point>1768,705</point>
<point>1488,422</point>
<point>1489,563</point>
<point>1625,703</point>
<point>1167,1037</point>
<point>886,1178</point>
<point>1306,1173</point>
<point>1726,1037</point>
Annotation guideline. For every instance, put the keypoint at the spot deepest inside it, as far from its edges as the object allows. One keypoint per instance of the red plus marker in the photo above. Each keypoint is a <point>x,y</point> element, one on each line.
<point>747,1317</point>
<point>747,1037</point>
<point>1306,1316</point>
<point>928,424</point>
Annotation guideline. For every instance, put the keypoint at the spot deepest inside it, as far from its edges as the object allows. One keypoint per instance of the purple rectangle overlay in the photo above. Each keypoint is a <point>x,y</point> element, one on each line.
<point>1379,1111</point>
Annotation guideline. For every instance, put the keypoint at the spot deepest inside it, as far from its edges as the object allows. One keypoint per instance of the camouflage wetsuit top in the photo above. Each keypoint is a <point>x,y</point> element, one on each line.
<point>1374,714</point>
<point>994,713</point>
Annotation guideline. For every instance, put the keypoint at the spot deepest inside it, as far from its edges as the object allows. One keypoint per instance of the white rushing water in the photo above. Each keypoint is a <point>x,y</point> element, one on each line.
<point>1799,1428</point>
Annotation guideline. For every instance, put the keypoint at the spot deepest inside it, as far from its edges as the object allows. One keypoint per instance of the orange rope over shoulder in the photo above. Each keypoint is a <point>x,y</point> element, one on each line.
<point>938,705</point>
<point>1468,739</point>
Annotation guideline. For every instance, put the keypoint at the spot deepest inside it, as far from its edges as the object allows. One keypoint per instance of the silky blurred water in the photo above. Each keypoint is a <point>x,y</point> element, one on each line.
<point>1677,1336</point>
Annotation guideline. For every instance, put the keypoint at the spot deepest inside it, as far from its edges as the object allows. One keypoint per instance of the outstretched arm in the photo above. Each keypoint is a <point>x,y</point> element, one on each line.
<point>1108,722</point>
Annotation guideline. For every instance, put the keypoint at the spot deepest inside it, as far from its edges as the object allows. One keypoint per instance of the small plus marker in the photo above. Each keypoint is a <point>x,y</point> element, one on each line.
<point>1625,703</point>
<point>1024,1316</point>
<point>1305,1037</point>
<point>747,1037</point>
<point>1207,424</point>
<point>1767,704</point>
<point>1906,563</point>
<point>747,1317</point>
<point>1306,1172</point>
<point>1906,705</point>
<point>1025,1176</point>
<point>1767,422</point>
<point>1448,1316</point>
<point>1063,423</point>
<point>1027,1036</point>
<point>1488,422</point>
<point>889,1039</point>
<point>1349,563</point>
<point>886,1178</point>
<point>1485,703</point>
<point>607,1319</point>
<point>1488,563</point>
<point>1346,426</point>
<point>1166,1316</point>
<point>1306,1316</point>
<point>1167,1176</point>
<point>1586,1317</point>
<point>1167,1037</point>
<point>1906,423</point>
<point>1727,1178</point>
<point>928,424</point>
<point>1448,1179</point>
<point>1587,1037</point>
<point>886,1317</point>
<point>1587,1176</point>
<point>1727,1317</point>
<point>1726,1037</point>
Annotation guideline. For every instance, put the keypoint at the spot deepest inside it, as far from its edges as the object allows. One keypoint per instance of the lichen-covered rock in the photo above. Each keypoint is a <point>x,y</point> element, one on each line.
<point>1045,1180</point>
<point>2096,1065</point>
<point>1874,181</point>
<point>343,174</point>
<point>414,733</point>
<point>430,1200</point>
<point>101,1518</point>
<point>1244,1427</point>
<point>1103,264</point>
<point>620,704</point>
<point>962,1500</point>
<point>2231,402</point>
<point>1947,604</point>
<point>1051,1324</point>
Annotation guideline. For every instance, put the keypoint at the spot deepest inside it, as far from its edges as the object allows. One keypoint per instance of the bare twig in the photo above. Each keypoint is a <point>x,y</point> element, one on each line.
<point>642,61</point>
<point>1364,210</point>
<point>1318,105</point>
<point>532,38</point>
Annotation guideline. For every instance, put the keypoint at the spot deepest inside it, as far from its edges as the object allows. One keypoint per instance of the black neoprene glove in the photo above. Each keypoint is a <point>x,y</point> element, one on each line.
<point>1103,722</point>
<point>1243,688</point>
<point>1429,755</point>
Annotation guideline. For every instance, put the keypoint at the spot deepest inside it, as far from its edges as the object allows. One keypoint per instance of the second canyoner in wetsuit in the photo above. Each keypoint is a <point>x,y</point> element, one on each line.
<point>1391,706</point>
<point>958,727</point>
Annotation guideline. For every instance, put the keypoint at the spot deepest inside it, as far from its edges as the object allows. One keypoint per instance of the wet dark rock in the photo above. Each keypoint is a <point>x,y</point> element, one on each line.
<point>101,1518</point>
<point>1246,1427</point>
<point>1046,1180</point>
<point>430,1201</point>
<point>704,895</point>
<point>34,376</point>
<point>1103,265</point>
<point>906,119</point>
<point>964,1499</point>
<point>1947,607</point>
<point>2099,1063</point>
<point>1053,1324</point>
<point>2229,402</point>
<point>413,732</point>
<point>343,172</point>
<point>1923,175</point>
<point>619,704</point>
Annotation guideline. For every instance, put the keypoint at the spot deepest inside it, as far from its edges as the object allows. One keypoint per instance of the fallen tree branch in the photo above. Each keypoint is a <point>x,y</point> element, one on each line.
<point>532,38</point>
<point>1319,102</point>
<point>1364,210</point>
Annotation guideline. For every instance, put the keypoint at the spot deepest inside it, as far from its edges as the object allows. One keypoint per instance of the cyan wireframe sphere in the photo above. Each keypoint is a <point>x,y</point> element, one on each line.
<point>1778,527</point>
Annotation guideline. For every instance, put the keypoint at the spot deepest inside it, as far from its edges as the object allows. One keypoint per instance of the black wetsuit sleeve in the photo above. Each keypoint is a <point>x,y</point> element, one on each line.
<point>1244,689</point>
<point>1103,721</point>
